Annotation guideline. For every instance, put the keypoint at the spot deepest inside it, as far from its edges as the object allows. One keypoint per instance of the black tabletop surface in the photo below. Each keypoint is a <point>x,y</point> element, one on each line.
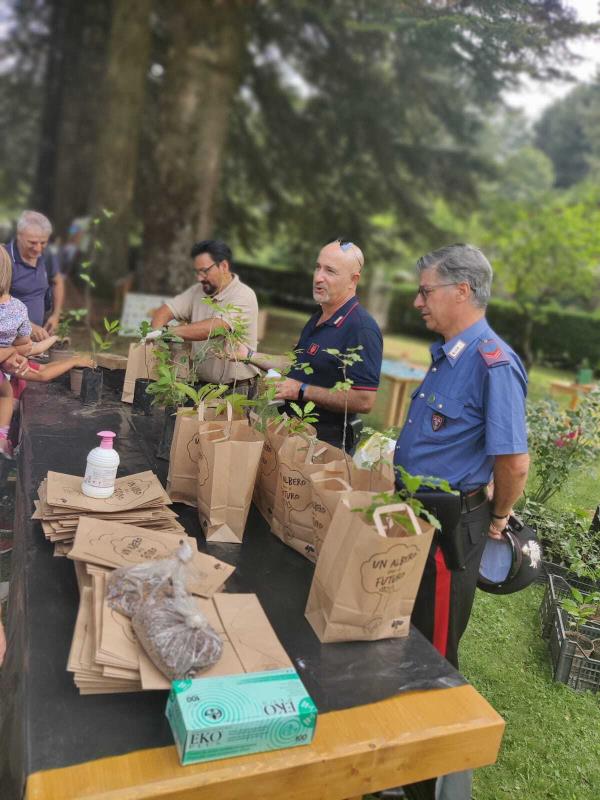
<point>45,723</point>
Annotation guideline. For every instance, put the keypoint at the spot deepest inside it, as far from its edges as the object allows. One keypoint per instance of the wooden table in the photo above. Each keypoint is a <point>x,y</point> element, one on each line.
<point>396,741</point>
<point>57,745</point>
<point>574,390</point>
<point>402,377</point>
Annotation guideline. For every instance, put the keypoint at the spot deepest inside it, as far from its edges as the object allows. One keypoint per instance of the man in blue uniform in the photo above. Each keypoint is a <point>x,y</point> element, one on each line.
<point>340,324</point>
<point>466,424</point>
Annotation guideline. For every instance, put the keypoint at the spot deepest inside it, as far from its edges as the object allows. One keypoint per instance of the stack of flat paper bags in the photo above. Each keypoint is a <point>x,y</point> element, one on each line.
<point>105,655</point>
<point>138,500</point>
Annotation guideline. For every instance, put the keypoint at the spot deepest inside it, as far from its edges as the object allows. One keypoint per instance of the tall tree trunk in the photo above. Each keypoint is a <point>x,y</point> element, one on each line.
<point>202,73</point>
<point>119,133</point>
<point>42,189</point>
<point>84,63</point>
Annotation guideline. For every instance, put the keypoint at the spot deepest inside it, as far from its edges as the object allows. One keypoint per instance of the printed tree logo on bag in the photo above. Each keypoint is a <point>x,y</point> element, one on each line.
<point>192,448</point>
<point>291,483</point>
<point>384,572</point>
<point>134,549</point>
<point>268,459</point>
<point>203,470</point>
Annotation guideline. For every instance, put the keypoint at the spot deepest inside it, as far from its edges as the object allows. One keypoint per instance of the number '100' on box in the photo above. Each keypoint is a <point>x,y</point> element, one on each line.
<point>234,715</point>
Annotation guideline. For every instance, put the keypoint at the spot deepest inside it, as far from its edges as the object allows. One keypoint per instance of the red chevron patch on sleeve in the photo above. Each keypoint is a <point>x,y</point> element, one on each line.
<point>492,353</point>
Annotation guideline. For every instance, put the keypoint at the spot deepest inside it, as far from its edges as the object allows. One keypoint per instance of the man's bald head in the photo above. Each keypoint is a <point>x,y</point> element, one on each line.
<point>337,273</point>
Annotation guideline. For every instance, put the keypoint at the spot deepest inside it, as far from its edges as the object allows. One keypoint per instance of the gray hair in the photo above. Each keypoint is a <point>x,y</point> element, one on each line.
<point>462,263</point>
<point>33,219</point>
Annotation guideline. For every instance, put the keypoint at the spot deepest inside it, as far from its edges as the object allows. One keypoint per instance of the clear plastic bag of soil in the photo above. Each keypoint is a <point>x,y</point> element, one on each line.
<point>128,587</point>
<point>176,635</point>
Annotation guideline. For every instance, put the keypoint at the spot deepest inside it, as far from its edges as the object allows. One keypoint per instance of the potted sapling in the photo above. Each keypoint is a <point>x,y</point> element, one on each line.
<point>142,401</point>
<point>345,361</point>
<point>91,381</point>
<point>61,349</point>
<point>168,390</point>
<point>225,339</point>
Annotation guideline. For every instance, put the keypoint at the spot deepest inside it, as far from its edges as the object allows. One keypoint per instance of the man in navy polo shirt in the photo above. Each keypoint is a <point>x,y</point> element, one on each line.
<point>35,274</point>
<point>341,324</point>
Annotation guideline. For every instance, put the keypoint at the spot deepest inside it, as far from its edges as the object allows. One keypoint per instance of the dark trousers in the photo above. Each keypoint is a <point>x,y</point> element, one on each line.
<point>442,610</point>
<point>445,597</point>
<point>333,434</point>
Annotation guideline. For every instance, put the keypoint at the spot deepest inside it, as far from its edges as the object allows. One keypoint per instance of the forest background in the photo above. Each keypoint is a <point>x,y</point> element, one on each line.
<point>278,126</point>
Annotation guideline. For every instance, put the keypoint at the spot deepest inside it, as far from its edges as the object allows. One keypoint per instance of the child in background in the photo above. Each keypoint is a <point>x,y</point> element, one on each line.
<point>15,327</point>
<point>15,342</point>
<point>17,365</point>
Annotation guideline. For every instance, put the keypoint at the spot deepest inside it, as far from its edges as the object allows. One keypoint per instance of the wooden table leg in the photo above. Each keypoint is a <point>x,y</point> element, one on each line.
<point>392,408</point>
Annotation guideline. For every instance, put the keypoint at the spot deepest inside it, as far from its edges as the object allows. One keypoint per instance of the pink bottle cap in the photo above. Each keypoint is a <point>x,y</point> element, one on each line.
<point>107,439</point>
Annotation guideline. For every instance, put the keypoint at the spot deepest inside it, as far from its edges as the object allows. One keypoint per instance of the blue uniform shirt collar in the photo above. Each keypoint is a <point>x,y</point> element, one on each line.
<point>455,347</point>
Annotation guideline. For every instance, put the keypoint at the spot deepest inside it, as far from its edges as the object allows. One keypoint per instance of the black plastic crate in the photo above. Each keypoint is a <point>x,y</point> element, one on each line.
<point>557,589</point>
<point>570,664</point>
<point>550,568</point>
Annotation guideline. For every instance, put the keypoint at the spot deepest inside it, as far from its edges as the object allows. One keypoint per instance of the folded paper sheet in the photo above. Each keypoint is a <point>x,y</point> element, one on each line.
<point>112,544</point>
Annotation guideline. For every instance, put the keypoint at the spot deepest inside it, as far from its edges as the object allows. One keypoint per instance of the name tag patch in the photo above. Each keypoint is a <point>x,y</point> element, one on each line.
<point>313,349</point>
<point>437,421</point>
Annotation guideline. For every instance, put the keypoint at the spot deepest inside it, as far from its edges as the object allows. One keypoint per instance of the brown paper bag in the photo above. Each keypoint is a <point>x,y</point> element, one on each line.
<point>141,363</point>
<point>292,512</point>
<point>228,458</point>
<point>182,479</point>
<point>368,574</point>
<point>268,468</point>
<point>328,490</point>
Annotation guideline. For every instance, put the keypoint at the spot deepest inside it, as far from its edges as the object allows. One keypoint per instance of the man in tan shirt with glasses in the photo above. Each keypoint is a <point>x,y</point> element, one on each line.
<point>199,321</point>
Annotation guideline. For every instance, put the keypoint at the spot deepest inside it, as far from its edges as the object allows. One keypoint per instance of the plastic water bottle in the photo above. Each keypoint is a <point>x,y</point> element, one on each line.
<point>101,468</point>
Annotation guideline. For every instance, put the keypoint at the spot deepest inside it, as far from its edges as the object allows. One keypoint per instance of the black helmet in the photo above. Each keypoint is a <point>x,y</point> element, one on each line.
<point>511,563</point>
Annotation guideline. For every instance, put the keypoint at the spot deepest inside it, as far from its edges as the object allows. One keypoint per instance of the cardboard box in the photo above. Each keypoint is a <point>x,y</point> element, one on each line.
<point>234,715</point>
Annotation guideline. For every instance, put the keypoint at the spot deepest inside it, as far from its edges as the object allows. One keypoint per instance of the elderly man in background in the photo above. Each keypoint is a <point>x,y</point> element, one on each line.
<point>36,280</point>
<point>340,324</point>
<point>200,321</point>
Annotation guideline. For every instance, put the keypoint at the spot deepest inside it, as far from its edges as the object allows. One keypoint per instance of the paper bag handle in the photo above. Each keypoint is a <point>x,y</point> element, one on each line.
<point>202,405</point>
<point>220,427</point>
<point>344,484</point>
<point>383,510</point>
<point>312,453</point>
<point>280,425</point>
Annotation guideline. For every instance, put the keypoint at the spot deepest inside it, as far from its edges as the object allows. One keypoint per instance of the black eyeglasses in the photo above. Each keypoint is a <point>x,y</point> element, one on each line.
<point>425,291</point>
<point>204,272</point>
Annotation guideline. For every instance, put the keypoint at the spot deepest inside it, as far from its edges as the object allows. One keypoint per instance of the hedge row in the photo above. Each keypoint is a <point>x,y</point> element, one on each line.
<point>563,339</point>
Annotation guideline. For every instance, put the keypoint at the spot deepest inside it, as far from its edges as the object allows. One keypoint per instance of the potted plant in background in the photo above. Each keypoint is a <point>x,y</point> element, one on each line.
<point>61,349</point>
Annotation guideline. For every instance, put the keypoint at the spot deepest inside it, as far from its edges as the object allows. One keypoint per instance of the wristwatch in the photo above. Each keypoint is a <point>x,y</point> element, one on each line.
<point>249,355</point>
<point>301,391</point>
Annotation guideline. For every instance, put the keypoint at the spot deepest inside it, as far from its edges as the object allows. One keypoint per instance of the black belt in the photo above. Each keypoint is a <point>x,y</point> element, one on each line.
<point>469,501</point>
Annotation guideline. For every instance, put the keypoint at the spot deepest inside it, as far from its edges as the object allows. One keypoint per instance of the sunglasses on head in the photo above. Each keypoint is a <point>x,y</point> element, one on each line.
<point>346,245</point>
